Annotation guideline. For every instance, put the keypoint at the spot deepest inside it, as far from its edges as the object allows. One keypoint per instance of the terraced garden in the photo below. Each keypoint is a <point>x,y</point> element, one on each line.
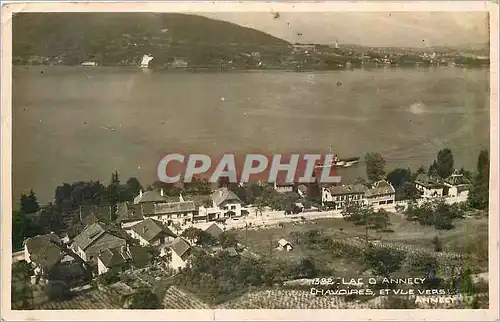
<point>176,298</point>
<point>90,300</point>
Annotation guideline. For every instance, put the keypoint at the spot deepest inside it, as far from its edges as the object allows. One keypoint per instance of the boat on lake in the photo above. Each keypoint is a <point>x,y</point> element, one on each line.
<point>344,163</point>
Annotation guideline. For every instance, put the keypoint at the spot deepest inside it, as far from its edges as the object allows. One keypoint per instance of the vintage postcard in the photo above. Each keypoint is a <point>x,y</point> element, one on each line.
<point>257,161</point>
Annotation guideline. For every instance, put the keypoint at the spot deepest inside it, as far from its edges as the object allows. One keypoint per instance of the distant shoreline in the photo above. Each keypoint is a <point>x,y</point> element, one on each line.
<point>264,69</point>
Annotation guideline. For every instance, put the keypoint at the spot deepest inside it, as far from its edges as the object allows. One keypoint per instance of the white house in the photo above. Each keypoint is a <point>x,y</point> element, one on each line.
<point>181,251</point>
<point>151,232</point>
<point>225,204</point>
<point>381,195</point>
<point>339,195</point>
<point>458,185</point>
<point>429,186</point>
<point>285,245</point>
<point>302,190</point>
<point>283,187</point>
<point>181,212</point>
<point>227,201</point>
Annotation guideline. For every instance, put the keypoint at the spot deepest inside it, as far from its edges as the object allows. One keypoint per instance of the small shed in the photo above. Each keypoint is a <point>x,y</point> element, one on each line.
<point>285,245</point>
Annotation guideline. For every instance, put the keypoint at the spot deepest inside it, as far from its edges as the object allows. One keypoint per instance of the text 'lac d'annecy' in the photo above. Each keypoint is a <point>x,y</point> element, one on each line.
<point>299,168</point>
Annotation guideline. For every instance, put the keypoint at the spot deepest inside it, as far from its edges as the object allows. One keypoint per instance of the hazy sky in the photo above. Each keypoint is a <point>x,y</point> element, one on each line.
<point>401,29</point>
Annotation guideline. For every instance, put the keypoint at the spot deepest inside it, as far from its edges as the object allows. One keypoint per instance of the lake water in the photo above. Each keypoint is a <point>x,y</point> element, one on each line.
<point>63,116</point>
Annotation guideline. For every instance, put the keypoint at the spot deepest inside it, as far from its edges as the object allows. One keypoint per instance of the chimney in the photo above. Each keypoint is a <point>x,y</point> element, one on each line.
<point>181,199</point>
<point>140,193</point>
<point>161,192</point>
<point>144,228</point>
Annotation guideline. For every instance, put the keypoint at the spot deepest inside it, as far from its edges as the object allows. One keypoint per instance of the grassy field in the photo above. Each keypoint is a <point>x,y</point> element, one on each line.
<point>468,236</point>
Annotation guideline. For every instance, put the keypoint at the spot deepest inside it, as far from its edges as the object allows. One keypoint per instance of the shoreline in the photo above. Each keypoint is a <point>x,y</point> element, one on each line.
<point>214,70</point>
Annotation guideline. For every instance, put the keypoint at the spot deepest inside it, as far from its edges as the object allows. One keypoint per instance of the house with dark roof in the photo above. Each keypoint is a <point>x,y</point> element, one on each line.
<point>96,213</point>
<point>52,261</point>
<point>152,232</point>
<point>96,238</point>
<point>213,229</point>
<point>123,257</point>
<point>458,185</point>
<point>339,195</point>
<point>181,251</point>
<point>429,186</point>
<point>150,196</point>
<point>43,252</point>
<point>381,195</point>
<point>128,214</point>
<point>34,246</point>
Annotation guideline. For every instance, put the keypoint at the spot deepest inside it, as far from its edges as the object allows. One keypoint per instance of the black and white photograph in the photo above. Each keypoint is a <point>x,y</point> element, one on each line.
<point>179,160</point>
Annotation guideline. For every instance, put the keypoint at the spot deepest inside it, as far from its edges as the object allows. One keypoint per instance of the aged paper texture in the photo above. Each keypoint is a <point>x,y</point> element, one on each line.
<point>249,160</point>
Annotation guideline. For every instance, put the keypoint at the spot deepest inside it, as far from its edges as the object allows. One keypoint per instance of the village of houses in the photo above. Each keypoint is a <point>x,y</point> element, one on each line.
<point>152,220</point>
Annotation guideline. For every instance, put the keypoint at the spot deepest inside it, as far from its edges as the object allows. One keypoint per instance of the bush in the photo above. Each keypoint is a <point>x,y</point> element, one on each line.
<point>424,265</point>
<point>443,221</point>
<point>57,291</point>
<point>383,261</point>
<point>110,277</point>
<point>307,268</point>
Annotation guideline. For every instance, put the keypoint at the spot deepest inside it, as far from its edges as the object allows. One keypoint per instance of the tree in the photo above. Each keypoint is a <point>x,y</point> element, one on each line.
<point>444,163</point>
<point>374,166</point>
<point>438,245</point>
<point>145,300</point>
<point>412,212</point>
<point>409,191</point>
<point>134,186</point>
<point>380,220</point>
<point>207,240</point>
<point>483,165</point>
<point>192,234</point>
<point>113,189</point>
<point>29,203</point>
<point>383,261</point>
<point>425,214</point>
<point>19,230</point>
<point>433,169</point>
<point>360,214</point>
<point>479,194</point>
<point>228,239</point>
<point>398,177</point>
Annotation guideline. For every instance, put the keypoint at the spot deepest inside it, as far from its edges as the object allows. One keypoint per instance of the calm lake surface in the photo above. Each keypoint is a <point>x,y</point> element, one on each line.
<point>63,118</point>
